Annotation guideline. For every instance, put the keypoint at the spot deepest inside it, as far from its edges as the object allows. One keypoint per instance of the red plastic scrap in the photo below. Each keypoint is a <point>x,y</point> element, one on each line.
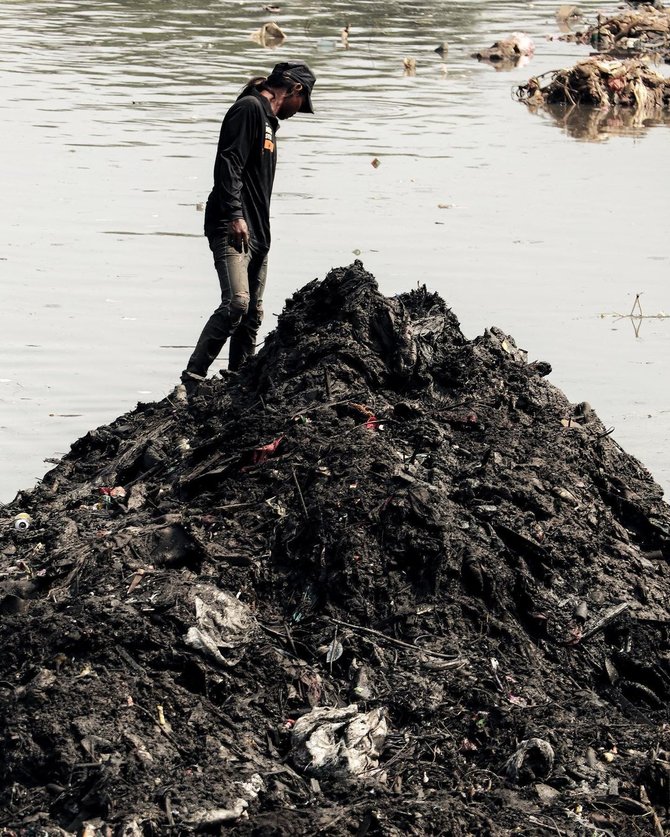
<point>263,453</point>
<point>574,637</point>
<point>363,411</point>
<point>116,491</point>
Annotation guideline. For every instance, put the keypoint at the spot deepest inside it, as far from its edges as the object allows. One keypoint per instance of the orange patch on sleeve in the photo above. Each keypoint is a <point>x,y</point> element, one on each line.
<point>269,145</point>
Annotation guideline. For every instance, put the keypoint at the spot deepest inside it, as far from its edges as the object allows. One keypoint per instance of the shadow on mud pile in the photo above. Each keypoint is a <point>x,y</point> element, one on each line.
<point>387,580</point>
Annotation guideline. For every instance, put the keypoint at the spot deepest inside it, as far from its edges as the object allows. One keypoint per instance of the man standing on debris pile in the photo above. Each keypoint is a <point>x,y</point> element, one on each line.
<point>237,217</point>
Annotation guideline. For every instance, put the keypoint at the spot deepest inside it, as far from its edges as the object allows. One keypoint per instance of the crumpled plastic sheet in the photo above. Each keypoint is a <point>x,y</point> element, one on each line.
<point>211,818</point>
<point>224,626</point>
<point>339,742</point>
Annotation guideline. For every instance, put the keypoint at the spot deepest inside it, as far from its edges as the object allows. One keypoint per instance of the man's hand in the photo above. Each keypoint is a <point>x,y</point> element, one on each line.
<point>239,235</point>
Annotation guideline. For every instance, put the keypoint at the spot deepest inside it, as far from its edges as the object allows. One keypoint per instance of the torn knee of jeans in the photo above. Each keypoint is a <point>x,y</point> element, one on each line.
<point>239,305</point>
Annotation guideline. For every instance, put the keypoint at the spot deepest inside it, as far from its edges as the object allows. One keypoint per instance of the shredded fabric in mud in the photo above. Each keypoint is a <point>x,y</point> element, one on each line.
<point>385,581</point>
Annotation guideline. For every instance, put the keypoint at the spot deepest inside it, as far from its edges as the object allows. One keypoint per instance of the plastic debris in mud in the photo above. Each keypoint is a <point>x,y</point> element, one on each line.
<point>224,625</point>
<point>22,522</point>
<point>339,742</point>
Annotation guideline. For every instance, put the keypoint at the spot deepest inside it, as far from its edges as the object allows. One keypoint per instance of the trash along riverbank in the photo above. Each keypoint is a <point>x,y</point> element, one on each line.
<point>618,88</point>
<point>601,82</point>
<point>385,581</point>
<point>600,96</point>
<point>644,30</point>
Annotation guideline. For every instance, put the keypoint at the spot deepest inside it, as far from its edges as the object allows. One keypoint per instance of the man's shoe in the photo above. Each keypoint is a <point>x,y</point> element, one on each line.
<point>191,382</point>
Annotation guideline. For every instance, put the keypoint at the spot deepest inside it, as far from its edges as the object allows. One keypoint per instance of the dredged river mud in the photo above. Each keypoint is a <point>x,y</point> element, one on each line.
<point>387,580</point>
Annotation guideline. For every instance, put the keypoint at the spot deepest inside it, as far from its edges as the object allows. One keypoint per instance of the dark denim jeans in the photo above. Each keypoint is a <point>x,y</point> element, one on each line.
<point>239,316</point>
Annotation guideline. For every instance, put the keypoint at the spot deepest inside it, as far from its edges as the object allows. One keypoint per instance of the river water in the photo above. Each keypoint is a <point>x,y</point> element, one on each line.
<point>111,112</point>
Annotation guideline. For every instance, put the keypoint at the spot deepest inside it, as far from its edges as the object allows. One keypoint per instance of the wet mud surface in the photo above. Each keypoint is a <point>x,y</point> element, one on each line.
<point>386,581</point>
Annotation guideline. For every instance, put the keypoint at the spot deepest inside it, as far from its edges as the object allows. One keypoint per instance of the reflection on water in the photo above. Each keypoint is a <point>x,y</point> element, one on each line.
<point>505,65</point>
<point>596,125</point>
<point>112,110</point>
<point>637,316</point>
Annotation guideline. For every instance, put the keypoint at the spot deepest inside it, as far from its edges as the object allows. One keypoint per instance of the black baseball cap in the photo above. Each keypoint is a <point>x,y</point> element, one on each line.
<point>300,72</point>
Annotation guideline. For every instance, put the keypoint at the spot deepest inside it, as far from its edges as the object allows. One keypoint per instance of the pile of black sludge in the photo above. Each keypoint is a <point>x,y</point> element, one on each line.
<point>385,581</point>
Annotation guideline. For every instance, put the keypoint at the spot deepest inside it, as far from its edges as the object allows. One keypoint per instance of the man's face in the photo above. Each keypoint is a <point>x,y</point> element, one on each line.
<point>290,105</point>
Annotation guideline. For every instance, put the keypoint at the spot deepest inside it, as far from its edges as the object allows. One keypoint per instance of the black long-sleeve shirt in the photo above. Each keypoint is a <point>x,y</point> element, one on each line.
<point>244,170</point>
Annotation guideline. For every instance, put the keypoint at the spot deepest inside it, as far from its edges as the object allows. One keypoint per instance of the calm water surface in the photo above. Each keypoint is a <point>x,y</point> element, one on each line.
<point>111,112</point>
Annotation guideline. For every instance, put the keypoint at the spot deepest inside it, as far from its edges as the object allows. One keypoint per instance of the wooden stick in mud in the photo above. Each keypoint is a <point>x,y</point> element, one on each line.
<point>453,661</point>
<point>604,621</point>
<point>302,499</point>
<point>644,799</point>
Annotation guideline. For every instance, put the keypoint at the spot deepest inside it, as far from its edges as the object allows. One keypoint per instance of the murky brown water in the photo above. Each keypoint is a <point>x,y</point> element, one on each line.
<point>111,112</point>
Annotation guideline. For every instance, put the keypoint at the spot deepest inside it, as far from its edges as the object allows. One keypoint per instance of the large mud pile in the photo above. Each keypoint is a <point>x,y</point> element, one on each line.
<point>386,581</point>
